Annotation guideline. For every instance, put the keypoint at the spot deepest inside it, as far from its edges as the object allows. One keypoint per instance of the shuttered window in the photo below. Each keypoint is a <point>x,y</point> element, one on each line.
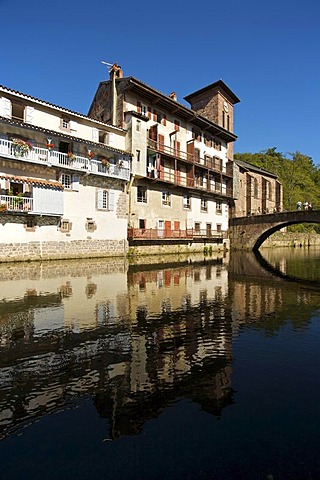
<point>105,200</point>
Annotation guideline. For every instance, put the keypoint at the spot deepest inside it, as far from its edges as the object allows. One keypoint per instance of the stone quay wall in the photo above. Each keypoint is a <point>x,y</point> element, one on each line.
<point>292,239</point>
<point>32,251</point>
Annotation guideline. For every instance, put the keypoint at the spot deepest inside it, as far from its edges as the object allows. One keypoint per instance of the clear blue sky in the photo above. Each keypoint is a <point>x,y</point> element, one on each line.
<point>266,51</point>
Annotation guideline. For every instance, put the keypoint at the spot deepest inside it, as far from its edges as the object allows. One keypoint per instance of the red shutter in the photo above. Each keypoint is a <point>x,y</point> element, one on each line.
<point>161,142</point>
<point>139,107</point>
<point>149,112</point>
<point>153,132</point>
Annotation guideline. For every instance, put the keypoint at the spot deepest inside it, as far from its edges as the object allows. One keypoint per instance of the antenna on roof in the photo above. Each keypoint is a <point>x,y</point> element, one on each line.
<point>106,63</point>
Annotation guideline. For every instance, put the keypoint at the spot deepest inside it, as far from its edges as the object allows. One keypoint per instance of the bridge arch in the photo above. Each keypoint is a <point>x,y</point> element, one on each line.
<point>249,233</point>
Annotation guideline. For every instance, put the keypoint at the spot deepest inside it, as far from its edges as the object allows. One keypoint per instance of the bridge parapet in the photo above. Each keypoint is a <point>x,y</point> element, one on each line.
<point>248,233</point>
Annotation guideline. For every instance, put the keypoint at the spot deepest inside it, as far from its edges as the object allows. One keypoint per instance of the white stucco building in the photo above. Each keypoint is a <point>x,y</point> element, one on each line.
<point>62,182</point>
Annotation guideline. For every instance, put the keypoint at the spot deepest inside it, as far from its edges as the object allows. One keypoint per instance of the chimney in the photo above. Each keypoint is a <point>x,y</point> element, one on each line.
<point>115,72</point>
<point>173,95</point>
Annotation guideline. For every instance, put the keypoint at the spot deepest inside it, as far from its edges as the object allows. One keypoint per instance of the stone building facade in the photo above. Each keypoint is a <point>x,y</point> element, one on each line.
<point>256,191</point>
<point>182,170</point>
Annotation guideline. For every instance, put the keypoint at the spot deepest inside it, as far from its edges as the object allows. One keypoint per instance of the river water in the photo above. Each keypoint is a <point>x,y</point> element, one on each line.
<point>167,368</point>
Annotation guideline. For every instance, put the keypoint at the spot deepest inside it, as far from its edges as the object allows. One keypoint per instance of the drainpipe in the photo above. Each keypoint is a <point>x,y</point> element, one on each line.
<point>129,192</point>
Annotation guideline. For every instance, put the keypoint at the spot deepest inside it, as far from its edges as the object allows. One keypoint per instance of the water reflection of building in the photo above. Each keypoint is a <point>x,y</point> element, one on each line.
<point>133,338</point>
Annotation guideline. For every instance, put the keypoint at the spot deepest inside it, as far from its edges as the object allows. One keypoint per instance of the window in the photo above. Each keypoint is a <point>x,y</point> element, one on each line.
<point>187,202</point>
<point>197,226</point>
<point>138,126</point>
<point>65,123</point>
<point>196,135</point>
<point>66,180</point>
<point>208,141</point>
<point>219,227</point>
<point>141,194</point>
<point>142,223</point>
<point>30,224</point>
<point>65,226</point>
<point>176,125</point>
<point>138,155</point>
<point>218,208</point>
<point>166,199</point>
<point>91,225</point>
<point>156,116</point>
<point>102,136</point>
<point>105,200</point>
<point>70,182</point>
<point>18,111</point>
<point>217,144</point>
<point>204,205</point>
<point>163,119</point>
<point>65,147</point>
<point>144,109</point>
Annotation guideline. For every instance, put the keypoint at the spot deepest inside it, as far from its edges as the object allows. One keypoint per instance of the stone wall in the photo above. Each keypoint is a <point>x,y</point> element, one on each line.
<point>286,239</point>
<point>177,249</point>
<point>12,252</point>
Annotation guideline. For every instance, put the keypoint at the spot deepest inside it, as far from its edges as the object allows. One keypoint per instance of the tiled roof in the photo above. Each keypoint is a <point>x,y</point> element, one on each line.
<point>254,168</point>
<point>57,107</point>
<point>54,133</point>
<point>33,181</point>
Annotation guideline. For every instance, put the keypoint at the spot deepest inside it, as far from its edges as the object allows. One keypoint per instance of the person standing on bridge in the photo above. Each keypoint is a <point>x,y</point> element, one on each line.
<point>299,205</point>
<point>306,205</point>
<point>310,206</point>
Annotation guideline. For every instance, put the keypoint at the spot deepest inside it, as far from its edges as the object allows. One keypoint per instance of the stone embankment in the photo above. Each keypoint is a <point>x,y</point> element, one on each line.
<point>287,239</point>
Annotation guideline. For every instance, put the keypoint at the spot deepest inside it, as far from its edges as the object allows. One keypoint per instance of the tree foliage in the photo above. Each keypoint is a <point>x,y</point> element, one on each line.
<point>299,176</point>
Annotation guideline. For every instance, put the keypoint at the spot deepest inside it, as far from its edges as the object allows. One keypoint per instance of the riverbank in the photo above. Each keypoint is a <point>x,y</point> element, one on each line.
<point>291,239</point>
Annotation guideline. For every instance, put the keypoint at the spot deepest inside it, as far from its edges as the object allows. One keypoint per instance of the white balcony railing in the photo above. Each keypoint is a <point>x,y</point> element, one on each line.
<point>54,158</point>
<point>15,204</point>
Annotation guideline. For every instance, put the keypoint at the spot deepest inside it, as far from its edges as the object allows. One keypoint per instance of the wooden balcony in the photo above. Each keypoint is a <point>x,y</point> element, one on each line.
<point>192,182</point>
<point>214,163</point>
<point>54,158</point>
<point>163,234</point>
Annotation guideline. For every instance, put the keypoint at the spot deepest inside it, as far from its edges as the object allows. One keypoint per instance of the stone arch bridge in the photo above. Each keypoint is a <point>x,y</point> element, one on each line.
<point>249,233</point>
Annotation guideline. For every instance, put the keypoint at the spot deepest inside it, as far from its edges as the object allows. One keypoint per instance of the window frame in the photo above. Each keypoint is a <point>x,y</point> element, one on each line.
<point>166,198</point>
<point>143,198</point>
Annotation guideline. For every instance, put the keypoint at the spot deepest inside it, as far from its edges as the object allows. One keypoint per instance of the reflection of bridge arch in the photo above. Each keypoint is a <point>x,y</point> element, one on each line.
<point>249,233</point>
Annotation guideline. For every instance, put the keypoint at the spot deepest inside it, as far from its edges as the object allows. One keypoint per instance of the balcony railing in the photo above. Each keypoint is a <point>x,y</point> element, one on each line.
<point>199,183</point>
<point>163,234</point>
<point>12,203</point>
<point>44,156</point>
<point>213,164</point>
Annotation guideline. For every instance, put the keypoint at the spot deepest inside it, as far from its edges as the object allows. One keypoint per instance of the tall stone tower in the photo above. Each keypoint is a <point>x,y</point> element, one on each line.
<point>215,102</point>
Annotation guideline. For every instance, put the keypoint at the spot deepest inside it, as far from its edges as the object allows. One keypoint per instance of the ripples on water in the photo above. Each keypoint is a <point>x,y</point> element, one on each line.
<point>203,368</point>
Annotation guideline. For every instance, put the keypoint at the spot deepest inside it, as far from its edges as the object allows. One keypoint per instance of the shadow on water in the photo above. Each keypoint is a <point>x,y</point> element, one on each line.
<point>277,273</point>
